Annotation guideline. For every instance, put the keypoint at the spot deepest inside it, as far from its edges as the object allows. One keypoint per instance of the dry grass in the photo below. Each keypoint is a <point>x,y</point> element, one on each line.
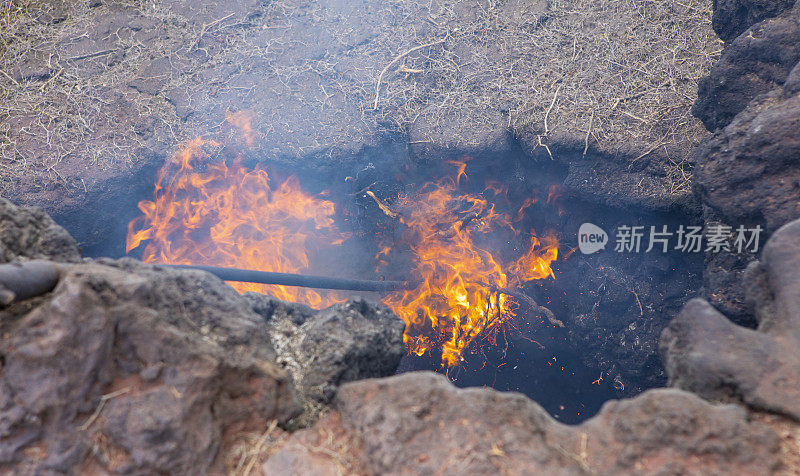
<point>74,113</point>
<point>253,450</point>
<point>613,73</point>
<point>627,67</point>
<point>326,440</point>
<point>619,75</point>
<point>59,107</point>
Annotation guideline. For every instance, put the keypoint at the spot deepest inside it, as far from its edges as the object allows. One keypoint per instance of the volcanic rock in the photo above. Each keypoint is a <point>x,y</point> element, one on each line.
<point>746,172</point>
<point>757,62</point>
<point>418,423</point>
<point>723,280</point>
<point>732,17</point>
<point>349,341</point>
<point>127,369</point>
<point>29,233</point>
<point>707,354</point>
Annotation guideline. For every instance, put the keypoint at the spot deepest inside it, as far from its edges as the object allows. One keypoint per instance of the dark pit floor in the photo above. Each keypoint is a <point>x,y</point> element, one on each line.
<point>555,376</point>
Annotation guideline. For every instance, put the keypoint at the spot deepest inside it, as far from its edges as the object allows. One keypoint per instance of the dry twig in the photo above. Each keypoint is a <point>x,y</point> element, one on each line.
<point>547,113</point>
<point>395,60</point>
<point>100,406</point>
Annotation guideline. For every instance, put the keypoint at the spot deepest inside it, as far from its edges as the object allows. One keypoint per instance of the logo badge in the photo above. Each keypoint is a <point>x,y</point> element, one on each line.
<point>591,238</point>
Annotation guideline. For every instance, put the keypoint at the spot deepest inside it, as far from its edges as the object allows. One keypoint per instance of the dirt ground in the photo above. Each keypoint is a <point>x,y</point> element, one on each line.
<point>94,95</point>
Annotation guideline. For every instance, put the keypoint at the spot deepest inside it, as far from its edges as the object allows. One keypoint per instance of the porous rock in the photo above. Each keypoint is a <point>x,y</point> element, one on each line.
<point>124,368</point>
<point>755,63</point>
<point>732,17</point>
<point>709,355</point>
<point>345,342</point>
<point>28,233</point>
<point>748,172</point>
<point>418,423</point>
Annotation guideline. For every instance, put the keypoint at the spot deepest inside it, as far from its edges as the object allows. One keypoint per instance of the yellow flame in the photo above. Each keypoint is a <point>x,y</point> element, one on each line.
<point>210,213</point>
<point>457,297</point>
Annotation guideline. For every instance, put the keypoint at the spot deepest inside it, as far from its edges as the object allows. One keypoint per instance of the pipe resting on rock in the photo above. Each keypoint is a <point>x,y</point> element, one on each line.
<point>289,279</point>
<point>28,279</point>
<point>19,281</point>
<point>23,280</point>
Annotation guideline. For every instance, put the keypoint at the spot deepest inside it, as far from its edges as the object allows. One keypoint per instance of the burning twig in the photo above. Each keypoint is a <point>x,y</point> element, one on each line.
<point>450,230</point>
<point>384,208</point>
<point>469,219</point>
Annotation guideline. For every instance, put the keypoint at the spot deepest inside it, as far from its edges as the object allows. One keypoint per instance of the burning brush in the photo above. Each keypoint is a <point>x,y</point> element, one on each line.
<point>461,290</point>
<point>240,226</point>
<point>233,218</point>
<point>208,212</point>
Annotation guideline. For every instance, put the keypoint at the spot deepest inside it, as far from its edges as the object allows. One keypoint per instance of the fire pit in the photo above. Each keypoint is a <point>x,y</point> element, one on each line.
<point>477,255</point>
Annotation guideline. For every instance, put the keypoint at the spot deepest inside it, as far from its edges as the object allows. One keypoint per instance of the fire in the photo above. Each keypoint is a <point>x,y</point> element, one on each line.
<point>216,212</point>
<point>208,212</point>
<point>458,296</point>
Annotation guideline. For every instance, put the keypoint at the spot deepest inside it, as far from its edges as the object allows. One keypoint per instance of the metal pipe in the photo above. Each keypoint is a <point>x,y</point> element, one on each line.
<point>25,280</point>
<point>19,281</point>
<point>288,279</point>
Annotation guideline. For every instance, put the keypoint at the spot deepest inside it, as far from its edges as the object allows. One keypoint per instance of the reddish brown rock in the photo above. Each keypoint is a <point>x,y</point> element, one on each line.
<point>325,450</point>
<point>127,369</point>
<point>419,423</point>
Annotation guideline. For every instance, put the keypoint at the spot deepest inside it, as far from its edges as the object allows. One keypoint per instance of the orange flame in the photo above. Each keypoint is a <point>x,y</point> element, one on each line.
<point>208,212</point>
<point>214,214</point>
<point>457,298</point>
